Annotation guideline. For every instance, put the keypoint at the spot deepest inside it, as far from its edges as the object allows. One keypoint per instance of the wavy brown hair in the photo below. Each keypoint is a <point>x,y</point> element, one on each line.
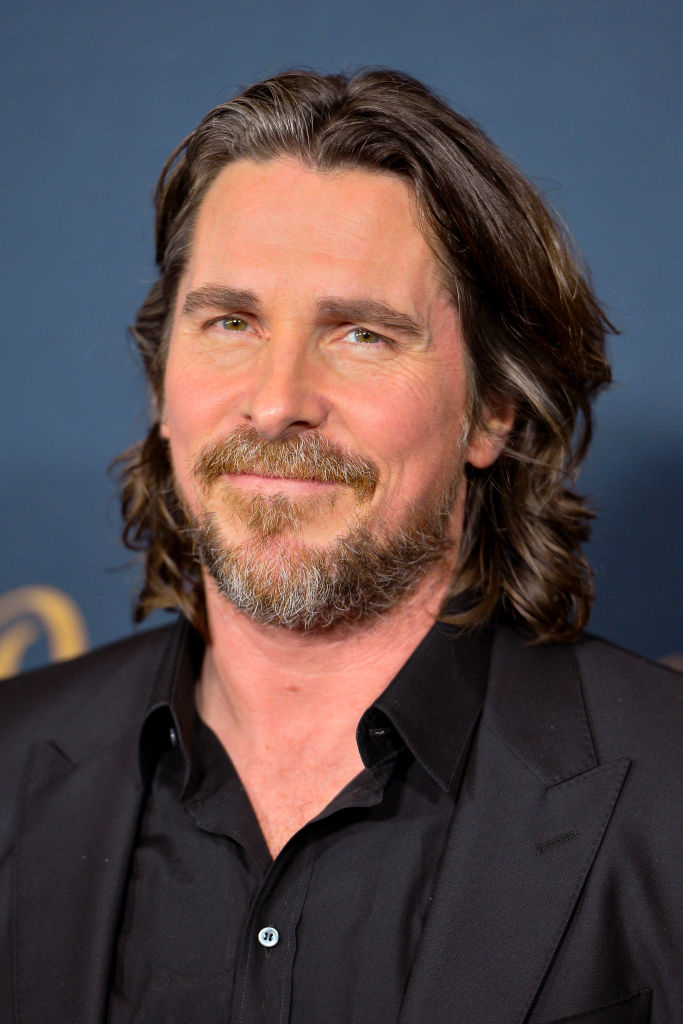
<point>534,330</point>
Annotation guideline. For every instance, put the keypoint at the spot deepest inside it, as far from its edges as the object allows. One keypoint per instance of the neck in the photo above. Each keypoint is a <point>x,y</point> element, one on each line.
<point>261,681</point>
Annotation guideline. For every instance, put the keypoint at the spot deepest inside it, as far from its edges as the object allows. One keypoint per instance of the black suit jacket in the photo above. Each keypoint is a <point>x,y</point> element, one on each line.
<point>558,897</point>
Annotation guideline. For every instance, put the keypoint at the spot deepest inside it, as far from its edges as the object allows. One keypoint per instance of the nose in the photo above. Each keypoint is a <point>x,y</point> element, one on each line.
<point>283,396</point>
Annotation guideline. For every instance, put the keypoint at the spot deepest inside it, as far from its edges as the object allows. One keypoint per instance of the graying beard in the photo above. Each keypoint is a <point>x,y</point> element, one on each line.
<point>359,576</point>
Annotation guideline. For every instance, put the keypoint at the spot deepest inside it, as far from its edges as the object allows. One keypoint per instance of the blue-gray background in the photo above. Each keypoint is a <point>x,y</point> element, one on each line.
<point>584,95</point>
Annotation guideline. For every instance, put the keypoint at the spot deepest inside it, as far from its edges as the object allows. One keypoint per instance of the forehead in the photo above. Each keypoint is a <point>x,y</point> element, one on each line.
<point>280,216</point>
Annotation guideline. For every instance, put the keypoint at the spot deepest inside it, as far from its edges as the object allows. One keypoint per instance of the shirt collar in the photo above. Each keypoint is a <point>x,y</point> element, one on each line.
<point>435,700</point>
<point>169,719</point>
<point>432,704</point>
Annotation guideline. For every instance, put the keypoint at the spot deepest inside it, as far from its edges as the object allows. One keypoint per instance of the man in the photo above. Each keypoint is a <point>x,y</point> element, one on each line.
<point>376,773</point>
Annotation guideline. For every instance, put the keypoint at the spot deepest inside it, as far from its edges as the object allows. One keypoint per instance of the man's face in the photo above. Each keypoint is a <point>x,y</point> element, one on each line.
<point>315,389</point>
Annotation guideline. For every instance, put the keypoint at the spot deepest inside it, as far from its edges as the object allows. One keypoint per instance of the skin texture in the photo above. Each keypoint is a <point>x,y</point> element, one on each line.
<point>287,353</point>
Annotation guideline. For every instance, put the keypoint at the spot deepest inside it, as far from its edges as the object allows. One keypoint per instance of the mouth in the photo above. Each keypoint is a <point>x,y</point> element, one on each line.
<point>270,484</point>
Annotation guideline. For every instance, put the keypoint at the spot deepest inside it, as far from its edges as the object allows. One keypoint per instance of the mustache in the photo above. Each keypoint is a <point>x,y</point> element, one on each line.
<point>306,456</point>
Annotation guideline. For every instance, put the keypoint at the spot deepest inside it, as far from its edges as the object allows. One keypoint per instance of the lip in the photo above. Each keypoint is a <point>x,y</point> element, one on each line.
<point>276,484</point>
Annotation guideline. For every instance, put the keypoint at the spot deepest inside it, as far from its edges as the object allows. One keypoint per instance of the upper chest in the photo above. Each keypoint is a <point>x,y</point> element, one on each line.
<point>353,884</point>
<point>287,792</point>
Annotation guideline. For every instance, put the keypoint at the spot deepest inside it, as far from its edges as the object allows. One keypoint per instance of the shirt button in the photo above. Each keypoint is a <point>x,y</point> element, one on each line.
<point>268,937</point>
<point>173,736</point>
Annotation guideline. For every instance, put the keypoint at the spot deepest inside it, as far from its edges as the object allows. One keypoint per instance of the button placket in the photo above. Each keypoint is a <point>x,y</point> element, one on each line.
<point>263,988</point>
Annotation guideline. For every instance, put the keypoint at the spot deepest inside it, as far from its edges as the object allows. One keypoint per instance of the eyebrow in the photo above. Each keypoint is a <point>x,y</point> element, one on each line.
<point>368,311</point>
<point>213,296</point>
<point>329,308</point>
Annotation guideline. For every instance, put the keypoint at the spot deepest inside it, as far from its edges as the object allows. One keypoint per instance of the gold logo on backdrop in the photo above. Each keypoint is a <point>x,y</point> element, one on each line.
<point>27,614</point>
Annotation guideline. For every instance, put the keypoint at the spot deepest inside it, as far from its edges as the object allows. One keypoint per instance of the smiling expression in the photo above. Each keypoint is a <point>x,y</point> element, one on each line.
<point>312,306</point>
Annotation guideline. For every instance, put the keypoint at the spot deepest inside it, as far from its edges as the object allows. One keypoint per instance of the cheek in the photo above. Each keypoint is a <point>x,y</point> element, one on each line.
<point>194,404</point>
<point>417,427</point>
<point>186,421</point>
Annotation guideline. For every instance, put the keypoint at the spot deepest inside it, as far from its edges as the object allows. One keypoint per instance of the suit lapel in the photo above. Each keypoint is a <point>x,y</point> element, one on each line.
<point>71,864</point>
<point>530,817</point>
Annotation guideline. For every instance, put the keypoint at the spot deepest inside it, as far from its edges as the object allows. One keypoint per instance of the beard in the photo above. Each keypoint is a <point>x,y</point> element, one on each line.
<point>273,576</point>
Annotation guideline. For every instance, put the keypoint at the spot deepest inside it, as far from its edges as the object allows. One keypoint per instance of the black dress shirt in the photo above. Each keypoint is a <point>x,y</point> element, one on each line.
<point>214,930</point>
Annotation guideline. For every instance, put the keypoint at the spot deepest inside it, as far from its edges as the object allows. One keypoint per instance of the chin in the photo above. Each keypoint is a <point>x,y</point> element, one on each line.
<point>284,579</point>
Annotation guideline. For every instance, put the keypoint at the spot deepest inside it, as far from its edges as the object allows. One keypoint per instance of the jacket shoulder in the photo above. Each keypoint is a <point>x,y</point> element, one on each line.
<point>602,656</point>
<point>568,704</point>
<point>633,704</point>
<point>111,682</point>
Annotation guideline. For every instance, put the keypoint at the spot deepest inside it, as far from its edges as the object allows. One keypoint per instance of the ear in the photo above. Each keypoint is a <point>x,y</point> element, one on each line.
<point>487,441</point>
<point>160,411</point>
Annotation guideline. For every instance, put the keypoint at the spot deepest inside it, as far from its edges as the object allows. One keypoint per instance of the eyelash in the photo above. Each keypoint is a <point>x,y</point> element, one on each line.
<point>226,319</point>
<point>380,338</point>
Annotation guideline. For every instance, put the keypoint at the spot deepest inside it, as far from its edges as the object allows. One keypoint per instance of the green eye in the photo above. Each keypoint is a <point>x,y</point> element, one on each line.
<point>233,323</point>
<point>365,336</point>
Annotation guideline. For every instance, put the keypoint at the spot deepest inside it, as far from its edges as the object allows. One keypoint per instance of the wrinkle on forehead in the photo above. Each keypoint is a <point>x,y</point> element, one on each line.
<point>343,218</point>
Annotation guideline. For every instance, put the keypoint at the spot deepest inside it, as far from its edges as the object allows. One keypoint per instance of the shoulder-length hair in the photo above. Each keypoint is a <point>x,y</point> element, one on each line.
<point>534,331</point>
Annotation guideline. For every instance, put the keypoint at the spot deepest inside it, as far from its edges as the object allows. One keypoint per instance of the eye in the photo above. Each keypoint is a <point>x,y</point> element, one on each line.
<point>233,323</point>
<point>366,337</point>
